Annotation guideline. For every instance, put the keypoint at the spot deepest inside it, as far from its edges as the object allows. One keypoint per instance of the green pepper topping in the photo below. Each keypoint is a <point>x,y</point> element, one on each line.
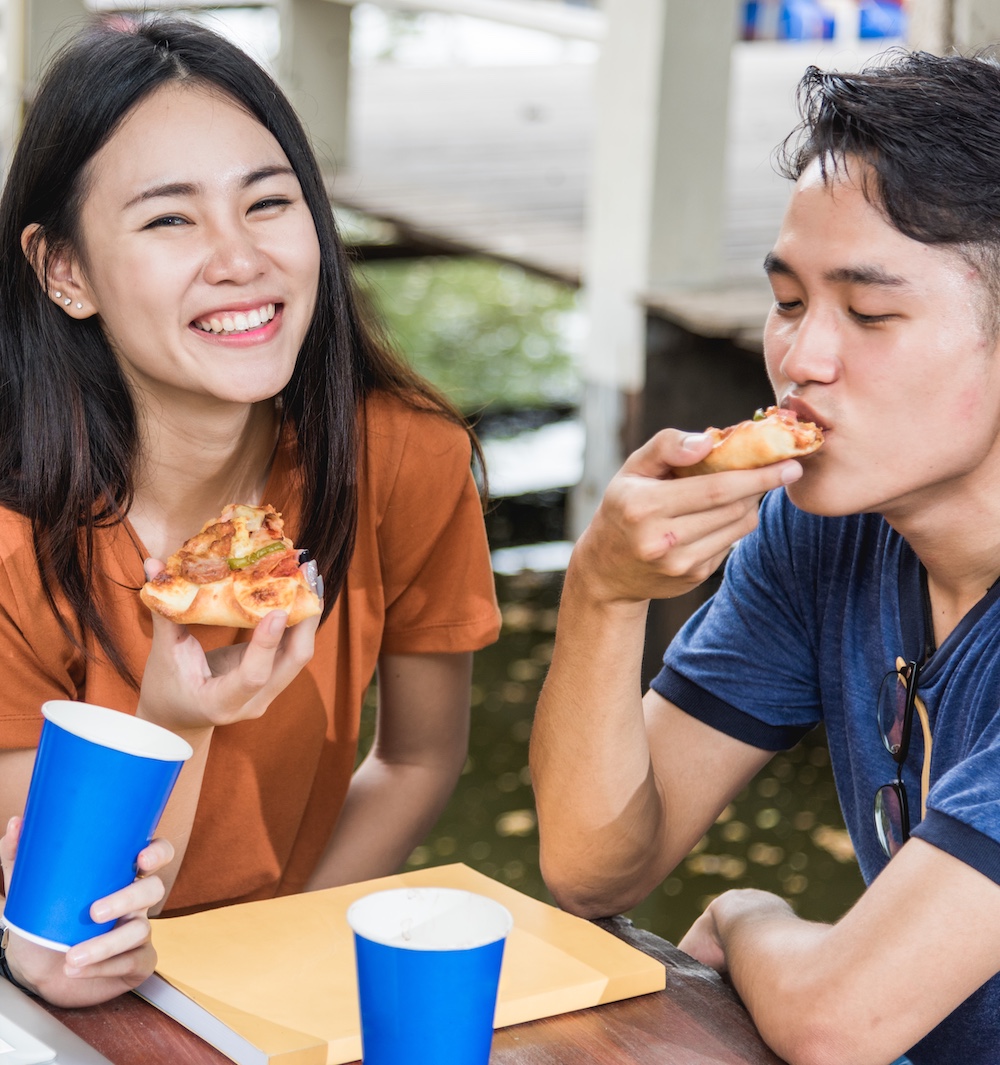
<point>255,556</point>
<point>759,415</point>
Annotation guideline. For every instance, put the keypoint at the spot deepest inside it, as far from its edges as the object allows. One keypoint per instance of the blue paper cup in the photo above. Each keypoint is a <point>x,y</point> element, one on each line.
<point>428,962</point>
<point>100,783</point>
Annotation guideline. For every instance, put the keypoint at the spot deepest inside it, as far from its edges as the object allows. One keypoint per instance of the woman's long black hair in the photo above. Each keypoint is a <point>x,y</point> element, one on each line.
<point>68,429</point>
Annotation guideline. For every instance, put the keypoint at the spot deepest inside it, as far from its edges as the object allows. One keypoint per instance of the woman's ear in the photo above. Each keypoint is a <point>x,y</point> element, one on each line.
<point>58,273</point>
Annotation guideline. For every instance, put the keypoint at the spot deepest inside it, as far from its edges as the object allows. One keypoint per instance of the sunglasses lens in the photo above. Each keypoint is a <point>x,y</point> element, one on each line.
<point>892,711</point>
<point>889,818</point>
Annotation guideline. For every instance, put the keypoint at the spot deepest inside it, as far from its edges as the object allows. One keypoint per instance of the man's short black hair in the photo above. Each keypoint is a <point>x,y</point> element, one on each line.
<point>927,128</point>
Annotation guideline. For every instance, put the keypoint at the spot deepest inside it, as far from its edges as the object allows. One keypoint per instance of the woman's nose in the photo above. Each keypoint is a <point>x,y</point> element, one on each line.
<point>232,256</point>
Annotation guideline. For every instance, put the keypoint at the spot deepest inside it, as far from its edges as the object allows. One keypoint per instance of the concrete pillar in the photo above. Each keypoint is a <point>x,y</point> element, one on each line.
<point>931,26</point>
<point>314,70</point>
<point>656,201</point>
<point>976,24</point>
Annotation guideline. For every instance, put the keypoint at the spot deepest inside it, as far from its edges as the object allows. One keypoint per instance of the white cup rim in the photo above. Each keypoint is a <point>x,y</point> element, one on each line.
<point>376,917</point>
<point>117,730</point>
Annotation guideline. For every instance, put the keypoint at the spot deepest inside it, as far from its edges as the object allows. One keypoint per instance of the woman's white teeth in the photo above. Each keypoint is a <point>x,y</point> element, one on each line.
<point>238,322</point>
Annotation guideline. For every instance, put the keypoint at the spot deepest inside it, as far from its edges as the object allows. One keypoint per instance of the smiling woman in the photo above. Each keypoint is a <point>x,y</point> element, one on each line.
<point>176,254</point>
<point>179,332</point>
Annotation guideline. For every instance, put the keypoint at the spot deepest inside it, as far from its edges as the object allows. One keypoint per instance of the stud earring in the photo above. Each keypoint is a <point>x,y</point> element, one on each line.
<point>79,306</point>
<point>58,295</point>
<point>67,301</point>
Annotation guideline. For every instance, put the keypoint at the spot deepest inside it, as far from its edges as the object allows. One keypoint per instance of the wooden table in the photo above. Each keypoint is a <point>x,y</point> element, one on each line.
<point>696,1020</point>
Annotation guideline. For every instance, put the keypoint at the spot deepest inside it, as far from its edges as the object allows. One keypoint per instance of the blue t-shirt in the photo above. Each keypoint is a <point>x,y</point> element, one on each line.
<point>811,615</point>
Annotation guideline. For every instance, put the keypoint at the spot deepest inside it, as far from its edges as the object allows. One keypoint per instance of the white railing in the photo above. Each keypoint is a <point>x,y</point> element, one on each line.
<point>562,20</point>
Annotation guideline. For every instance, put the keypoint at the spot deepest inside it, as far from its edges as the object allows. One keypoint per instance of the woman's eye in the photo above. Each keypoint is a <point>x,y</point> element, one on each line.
<point>166,220</point>
<point>787,306</point>
<point>270,202</point>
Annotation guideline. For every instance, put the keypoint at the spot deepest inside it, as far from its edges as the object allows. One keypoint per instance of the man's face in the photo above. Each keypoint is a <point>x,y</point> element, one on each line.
<point>880,339</point>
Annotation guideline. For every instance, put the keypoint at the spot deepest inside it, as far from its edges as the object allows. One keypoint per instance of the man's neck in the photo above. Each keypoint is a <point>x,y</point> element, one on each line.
<point>958,543</point>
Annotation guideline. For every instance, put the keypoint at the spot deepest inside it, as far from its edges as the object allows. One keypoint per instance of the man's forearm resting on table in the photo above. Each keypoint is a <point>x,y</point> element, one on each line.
<point>920,940</point>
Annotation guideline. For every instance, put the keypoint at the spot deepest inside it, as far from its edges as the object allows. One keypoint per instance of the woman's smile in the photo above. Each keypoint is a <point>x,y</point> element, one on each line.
<point>230,321</point>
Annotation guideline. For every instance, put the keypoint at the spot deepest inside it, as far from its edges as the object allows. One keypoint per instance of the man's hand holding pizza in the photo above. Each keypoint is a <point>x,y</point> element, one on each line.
<point>660,530</point>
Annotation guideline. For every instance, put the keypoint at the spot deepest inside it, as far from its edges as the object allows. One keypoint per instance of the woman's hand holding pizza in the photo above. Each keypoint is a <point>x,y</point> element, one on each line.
<point>183,687</point>
<point>240,571</point>
<point>107,965</point>
<point>657,535</point>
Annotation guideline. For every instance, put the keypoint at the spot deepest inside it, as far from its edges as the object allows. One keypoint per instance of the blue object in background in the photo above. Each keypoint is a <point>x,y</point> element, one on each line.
<point>801,20</point>
<point>805,20</point>
<point>882,18</point>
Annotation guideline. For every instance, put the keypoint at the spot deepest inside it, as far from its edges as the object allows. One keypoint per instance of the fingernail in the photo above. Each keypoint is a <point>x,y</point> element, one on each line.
<point>792,472</point>
<point>320,588</point>
<point>694,441</point>
<point>77,960</point>
<point>312,573</point>
<point>100,912</point>
<point>71,970</point>
<point>277,620</point>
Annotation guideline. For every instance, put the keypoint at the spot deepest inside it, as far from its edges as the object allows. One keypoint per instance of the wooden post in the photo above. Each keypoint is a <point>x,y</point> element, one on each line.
<point>942,26</point>
<point>35,31</point>
<point>656,201</point>
<point>931,25</point>
<point>314,70</point>
<point>976,24</point>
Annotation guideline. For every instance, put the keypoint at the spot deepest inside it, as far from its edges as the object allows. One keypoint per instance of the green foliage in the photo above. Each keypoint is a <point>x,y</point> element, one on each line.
<point>487,334</point>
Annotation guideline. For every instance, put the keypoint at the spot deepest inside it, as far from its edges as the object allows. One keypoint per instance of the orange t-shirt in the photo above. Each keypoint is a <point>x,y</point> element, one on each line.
<point>420,581</point>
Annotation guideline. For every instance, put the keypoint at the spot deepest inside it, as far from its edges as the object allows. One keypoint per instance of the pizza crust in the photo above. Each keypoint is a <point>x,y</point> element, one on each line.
<point>750,444</point>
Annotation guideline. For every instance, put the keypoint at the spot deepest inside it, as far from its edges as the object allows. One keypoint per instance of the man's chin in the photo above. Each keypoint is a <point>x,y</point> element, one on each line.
<point>809,495</point>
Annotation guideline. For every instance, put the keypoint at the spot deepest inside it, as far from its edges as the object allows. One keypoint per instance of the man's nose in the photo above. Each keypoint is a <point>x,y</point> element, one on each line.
<point>811,348</point>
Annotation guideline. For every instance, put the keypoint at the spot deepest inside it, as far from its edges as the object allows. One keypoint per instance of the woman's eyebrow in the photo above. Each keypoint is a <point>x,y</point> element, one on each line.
<point>171,188</point>
<point>265,172</point>
<point>187,188</point>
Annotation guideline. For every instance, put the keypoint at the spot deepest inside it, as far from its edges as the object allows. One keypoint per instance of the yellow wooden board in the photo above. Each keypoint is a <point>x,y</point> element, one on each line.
<point>279,974</point>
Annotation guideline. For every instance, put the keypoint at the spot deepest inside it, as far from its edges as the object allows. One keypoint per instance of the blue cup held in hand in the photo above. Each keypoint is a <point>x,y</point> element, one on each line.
<point>428,963</point>
<point>100,783</point>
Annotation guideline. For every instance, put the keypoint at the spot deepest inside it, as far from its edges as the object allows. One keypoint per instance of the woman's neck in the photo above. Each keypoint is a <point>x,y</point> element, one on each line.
<point>189,469</point>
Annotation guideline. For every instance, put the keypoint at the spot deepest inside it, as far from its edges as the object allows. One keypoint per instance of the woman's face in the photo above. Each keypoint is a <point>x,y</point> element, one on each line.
<point>198,251</point>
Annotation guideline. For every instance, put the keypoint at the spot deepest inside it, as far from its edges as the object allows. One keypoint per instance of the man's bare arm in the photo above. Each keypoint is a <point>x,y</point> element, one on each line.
<point>625,786</point>
<point>922,938</point>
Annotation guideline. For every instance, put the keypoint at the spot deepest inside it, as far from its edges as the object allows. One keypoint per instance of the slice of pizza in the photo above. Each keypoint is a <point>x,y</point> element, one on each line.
<point>770,436</point>
<point>237,569</point>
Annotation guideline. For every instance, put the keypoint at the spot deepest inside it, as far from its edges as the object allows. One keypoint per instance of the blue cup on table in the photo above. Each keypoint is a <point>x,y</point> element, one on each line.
<point>428,964</point>
<point>99,785</point>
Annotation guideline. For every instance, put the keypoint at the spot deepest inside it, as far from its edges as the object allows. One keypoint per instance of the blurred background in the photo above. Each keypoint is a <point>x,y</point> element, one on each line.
<point>561,209</point>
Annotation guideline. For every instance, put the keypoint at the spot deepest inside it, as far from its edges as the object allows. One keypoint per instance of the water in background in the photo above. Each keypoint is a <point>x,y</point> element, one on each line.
<point>501,342</point>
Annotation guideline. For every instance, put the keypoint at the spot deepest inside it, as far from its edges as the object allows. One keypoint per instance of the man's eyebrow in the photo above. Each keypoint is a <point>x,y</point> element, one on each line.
<point>187,188</point>
<point>849,275</point>
<point>774,264</point>
<point>866,275</point>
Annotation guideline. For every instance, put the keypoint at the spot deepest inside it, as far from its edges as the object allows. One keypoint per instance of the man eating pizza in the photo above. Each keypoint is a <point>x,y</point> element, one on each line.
<point>863,594</point>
